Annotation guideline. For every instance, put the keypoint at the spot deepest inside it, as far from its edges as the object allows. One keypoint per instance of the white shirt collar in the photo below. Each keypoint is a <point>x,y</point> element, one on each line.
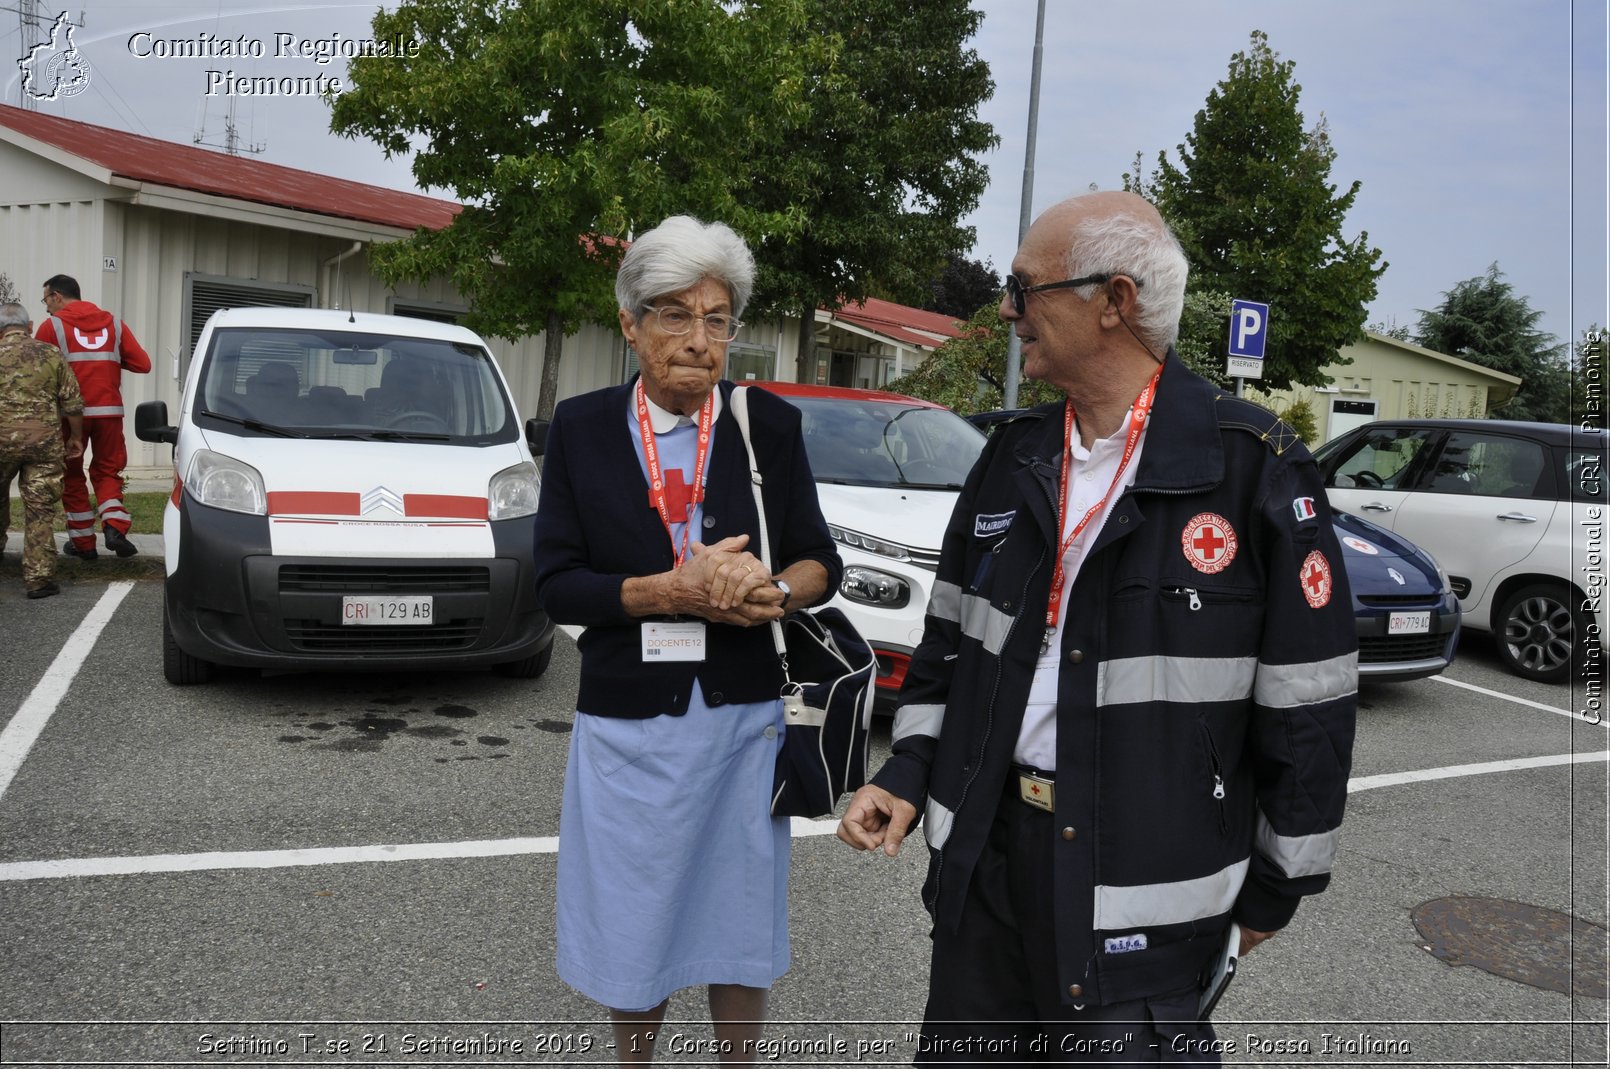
<point>664,421</point>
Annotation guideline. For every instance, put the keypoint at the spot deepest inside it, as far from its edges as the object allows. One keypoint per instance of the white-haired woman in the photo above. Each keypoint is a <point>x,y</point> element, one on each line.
<point>672,872</point>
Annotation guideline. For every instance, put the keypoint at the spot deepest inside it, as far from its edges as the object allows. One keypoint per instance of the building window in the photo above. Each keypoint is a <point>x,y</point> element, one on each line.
<point>206,294</point>
<point>433,311</point>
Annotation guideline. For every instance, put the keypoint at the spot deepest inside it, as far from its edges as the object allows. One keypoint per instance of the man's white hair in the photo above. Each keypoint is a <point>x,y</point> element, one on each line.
<point>680,253</point>
<point>1127,243</point>
<point>12,316</point>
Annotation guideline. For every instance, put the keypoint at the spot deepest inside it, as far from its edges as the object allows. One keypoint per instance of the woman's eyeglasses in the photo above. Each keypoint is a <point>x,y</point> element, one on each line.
<point>717,327</point>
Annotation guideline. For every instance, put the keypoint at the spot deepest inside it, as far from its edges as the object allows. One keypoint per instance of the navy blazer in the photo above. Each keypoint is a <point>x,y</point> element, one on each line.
<point>596,528</point>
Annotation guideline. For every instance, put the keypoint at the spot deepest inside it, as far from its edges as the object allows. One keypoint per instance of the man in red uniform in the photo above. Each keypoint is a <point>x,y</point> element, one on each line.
<point>98,347</point>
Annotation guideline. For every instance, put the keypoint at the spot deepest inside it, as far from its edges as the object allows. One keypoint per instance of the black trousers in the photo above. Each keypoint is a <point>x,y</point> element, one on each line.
<point>993,991</point>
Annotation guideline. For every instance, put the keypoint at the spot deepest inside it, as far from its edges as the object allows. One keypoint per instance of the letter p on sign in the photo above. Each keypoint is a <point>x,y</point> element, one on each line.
<point>1249,324</point>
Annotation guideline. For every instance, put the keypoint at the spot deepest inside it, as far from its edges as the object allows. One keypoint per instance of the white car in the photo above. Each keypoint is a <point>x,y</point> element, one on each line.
<point>1515,514</point>
<point>888,469</point>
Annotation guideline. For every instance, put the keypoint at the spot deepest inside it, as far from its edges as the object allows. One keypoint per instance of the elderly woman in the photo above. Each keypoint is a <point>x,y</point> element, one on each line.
<point>672,872</point>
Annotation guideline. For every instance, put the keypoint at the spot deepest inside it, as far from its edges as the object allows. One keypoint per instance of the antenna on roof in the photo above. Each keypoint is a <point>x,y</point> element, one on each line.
<point>231,145</point>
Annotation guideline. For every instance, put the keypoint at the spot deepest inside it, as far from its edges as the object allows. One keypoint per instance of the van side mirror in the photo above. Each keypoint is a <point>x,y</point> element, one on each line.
<point>536,435</point>
<point>151,423</point>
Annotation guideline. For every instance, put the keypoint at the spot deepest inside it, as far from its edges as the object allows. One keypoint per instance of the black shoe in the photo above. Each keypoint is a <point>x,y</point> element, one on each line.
<point>119,543</point>
<point>45,591</point>
<point>70,549</point>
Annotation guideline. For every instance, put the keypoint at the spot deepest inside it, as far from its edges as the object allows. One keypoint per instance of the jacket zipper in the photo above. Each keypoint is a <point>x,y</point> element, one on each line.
<point>1218,776</point>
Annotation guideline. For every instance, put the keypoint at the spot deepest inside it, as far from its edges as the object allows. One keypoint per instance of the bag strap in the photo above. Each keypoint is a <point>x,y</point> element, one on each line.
<point>740,412</point>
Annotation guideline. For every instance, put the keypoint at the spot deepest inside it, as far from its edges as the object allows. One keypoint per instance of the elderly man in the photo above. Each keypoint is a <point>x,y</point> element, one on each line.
<point>1130,720</point>
<point>38,394</point>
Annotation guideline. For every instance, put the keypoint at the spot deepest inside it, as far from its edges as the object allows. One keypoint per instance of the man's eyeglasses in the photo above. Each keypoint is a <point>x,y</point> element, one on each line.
<point>1018,293</point>
<point>717,327</point>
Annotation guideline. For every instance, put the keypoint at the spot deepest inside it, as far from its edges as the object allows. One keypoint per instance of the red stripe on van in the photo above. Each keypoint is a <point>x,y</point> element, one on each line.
<point>448,505</point>
<point>312,503</point>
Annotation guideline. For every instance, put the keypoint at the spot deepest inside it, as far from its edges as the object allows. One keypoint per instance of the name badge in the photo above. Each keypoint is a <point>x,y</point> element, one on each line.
<point>679,641</point>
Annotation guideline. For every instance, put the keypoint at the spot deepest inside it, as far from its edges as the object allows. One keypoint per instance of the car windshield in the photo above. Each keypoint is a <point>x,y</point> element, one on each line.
<point>887,443</point>
<point>339,384</point>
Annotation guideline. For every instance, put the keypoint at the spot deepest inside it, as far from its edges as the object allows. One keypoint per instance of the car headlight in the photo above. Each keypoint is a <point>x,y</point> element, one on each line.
<point>878,546</point>
<point>513,492</point>
<point>872,587</point>
<point>222,482</point>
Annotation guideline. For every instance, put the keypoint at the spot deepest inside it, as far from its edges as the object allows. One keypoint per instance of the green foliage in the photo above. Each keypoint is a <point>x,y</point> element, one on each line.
<point>1252,202</point>
<point>8,291</point>
<point>564,125</point>
<point>1483,320</point>
<point>962,286</point>
<point>1394,330</point>
<point>1299,415</point>
<point>877,169</point>
<point>1204,333</point>
<point>968,372</point>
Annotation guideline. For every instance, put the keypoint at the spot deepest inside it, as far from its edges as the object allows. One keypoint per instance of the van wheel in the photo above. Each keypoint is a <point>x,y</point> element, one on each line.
<point>529,667</point>
<point>1536,632</point>
<point>179,667</point>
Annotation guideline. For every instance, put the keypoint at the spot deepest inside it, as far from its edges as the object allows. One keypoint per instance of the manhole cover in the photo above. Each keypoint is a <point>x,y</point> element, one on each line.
<point>1541,947</point>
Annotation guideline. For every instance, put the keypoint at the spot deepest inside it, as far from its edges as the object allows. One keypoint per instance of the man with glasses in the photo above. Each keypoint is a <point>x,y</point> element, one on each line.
<point>1129,724</point>
<point>99,347</point>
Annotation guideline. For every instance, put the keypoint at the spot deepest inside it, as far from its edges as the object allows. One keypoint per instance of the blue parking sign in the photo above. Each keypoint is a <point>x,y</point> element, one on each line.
<point>1249,327</point>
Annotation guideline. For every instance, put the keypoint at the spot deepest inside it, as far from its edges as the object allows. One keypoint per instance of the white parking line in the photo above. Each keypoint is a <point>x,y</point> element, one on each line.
<point>25,728</point>
<point>1511,698</point>
<point>1396,779</point>
<point>349,855</point>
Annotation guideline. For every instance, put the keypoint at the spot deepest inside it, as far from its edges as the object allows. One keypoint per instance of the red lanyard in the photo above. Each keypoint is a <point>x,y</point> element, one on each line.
<point>656,482</point>
<point>1137,422</point>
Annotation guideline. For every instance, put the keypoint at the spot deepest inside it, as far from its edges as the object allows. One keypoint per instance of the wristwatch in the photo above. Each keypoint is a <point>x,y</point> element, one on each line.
<point>787,593</point>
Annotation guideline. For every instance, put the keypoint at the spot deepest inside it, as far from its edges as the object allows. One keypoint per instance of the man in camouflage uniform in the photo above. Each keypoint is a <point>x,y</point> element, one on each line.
<point>38,393</point>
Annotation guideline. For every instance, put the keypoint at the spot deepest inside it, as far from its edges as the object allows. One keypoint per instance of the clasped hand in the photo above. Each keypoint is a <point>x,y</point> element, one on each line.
<point>726,584</point>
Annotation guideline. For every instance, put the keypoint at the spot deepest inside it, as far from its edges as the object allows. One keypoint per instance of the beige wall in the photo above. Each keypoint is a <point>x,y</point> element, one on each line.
<point>1403,380</point>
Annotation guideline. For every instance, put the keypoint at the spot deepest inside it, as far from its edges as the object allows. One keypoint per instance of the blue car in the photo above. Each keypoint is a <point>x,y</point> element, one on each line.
<point>1405,612</point>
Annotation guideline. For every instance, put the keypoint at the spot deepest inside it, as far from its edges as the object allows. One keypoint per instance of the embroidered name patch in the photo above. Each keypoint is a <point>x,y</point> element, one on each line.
<point>1126,944</point>
<point>987,526</point>
<point>1209,542</point>
<point>1316,581</point>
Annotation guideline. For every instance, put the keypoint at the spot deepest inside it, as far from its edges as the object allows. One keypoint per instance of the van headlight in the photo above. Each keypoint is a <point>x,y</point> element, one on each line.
<point>222,482</point>
<point>513,492</point>
<point>872,587</point>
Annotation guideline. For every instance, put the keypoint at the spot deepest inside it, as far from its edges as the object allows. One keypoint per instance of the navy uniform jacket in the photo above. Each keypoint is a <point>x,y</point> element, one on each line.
<point>596,527</point>
<point>1205,710</point>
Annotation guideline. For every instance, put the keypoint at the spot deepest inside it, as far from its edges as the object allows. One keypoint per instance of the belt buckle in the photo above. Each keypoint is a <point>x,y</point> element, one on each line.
<point>1036,791</point>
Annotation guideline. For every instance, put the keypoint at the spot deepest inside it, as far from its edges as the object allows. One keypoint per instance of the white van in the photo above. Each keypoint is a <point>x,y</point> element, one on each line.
<point>351,491</point>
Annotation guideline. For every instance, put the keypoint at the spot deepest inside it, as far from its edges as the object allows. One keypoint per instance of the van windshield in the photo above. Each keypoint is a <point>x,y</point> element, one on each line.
<point>340,384</point>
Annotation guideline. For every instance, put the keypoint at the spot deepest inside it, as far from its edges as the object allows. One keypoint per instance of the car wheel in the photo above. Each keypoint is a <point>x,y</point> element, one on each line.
<point>1536,632</point>
<point>179,667</point>
<point>528,667</point>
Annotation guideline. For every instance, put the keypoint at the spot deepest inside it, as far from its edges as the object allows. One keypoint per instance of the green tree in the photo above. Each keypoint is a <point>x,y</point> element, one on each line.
<point>8,292</point>
<point>968,372</point>
<point>1252,202</point>
<point>963,286</point>
<point>875,174</point>
<point>1485,321</point>
<point>563,126</point>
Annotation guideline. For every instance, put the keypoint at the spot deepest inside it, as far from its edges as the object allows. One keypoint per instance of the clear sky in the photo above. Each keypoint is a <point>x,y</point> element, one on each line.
<point>1477,127</point>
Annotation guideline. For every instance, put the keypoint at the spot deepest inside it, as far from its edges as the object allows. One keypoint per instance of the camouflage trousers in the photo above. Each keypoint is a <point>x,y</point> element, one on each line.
<point>40,465</point>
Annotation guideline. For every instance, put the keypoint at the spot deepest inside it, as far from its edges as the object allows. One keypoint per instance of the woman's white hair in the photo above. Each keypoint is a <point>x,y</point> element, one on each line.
<point>680,253</point>
<point>1126,243</point>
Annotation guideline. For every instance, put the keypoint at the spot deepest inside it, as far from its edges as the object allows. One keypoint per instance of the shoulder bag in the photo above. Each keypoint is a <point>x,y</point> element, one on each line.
<point>827,697</point>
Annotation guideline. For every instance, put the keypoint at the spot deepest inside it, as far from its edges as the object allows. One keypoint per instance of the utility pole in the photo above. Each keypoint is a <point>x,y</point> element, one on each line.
<point>1014,352</point>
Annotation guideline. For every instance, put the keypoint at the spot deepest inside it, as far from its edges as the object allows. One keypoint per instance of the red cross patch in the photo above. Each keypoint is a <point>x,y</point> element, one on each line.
<point>1315,579</point>
<point>678,494</point>
<point>1209,542</point>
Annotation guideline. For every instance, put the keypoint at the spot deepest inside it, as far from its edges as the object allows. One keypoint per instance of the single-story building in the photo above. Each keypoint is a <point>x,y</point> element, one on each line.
<point>164,234</point>
<point>1391,379</point>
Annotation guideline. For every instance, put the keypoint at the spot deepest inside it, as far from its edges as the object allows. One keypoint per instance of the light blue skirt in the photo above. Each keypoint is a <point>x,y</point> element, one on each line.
<point>672,871</point>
